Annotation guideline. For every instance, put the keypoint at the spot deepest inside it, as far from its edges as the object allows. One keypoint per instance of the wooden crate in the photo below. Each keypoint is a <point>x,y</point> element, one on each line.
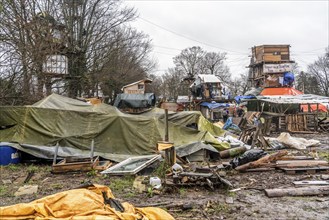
<point>75,165</point>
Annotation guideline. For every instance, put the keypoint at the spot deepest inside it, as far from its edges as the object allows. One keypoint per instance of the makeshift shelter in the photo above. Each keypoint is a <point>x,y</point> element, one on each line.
<point>117,136</point>
<point>291,110</point>
<point>287,92</point>
<point>206,86</point>
<point>213,110</point>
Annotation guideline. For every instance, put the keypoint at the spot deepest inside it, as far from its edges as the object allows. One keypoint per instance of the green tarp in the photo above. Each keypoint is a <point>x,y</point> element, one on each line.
<point>117,135</point>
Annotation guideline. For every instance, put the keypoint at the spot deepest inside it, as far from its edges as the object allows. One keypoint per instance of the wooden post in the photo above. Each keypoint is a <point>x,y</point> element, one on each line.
<point>316,117</point>
<point>166,126</point>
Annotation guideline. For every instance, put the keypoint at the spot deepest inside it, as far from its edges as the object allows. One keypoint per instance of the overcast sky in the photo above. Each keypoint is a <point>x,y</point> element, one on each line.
<point>234,27</point>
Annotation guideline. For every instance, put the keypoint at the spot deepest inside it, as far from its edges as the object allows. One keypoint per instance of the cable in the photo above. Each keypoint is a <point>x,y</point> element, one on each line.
<point>186,37</point>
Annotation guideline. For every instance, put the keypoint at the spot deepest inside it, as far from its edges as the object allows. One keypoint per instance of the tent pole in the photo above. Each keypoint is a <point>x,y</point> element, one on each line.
<point>56,152</point>
<point>92,150</point>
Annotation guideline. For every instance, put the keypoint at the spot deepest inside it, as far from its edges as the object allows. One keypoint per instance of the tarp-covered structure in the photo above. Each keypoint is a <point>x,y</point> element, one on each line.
<point>124,100</point>
<point>73,124</point>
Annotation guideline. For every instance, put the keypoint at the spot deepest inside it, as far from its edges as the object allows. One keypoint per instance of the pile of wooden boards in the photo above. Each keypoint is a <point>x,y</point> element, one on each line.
<point>302,122</point>
<point>324,124</point>
<point>289,164</point>
<point>296,166</point>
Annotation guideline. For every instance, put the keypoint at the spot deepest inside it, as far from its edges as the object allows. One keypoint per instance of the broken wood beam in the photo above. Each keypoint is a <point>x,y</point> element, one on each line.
<point>266,159</point>
<point>301,163</point>
<point>303,191</point>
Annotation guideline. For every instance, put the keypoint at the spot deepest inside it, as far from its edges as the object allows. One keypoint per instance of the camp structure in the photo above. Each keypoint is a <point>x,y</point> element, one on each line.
<point>135,103</point>
<point>138,87</point>
<point>206,86</point>
<point>73,124</point>
<point>297,113</point>
<point>270,66</point>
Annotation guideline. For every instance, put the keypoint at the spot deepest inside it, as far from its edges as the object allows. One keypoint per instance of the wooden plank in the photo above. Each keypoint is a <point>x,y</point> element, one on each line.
<point>312,182</point>
<point>63,166</point>
<point>260,169</point>
<point>303,191</point>
<point>310,170</point>
<point>296,158</point>
<point>300,163</point>
<point>269,58</point>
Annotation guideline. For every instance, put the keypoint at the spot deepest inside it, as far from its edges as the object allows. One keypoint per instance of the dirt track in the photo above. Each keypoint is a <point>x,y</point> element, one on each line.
<point>249,203</point>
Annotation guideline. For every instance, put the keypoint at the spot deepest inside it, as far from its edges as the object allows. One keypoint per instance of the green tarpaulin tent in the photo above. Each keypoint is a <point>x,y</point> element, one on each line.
<point>73,123</point>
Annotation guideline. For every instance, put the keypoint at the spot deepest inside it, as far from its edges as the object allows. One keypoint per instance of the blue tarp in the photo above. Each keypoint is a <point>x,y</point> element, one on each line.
<point>230,126</point>
<point>239,97</point>
<point>288,78</point>
<point>214,105</point>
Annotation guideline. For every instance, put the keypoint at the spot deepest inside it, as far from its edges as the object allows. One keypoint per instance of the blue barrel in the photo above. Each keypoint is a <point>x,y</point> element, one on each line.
<point>9,155</point>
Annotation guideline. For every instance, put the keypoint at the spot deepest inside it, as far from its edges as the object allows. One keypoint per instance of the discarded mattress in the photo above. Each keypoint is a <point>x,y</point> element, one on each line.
<point>84,203</point>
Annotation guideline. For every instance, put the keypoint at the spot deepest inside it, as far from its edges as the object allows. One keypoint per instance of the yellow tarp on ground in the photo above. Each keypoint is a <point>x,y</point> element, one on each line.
<point>80,204</point>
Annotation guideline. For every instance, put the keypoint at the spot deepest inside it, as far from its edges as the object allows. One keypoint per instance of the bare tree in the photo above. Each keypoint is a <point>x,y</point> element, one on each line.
<point>173,84</point>
<point>91,25</point>
<point>239,85</point>
<point>126,62</point>
<point>190,61</point>
<point>102,51</point>
<point>214,64</point>
<point>320,70</point>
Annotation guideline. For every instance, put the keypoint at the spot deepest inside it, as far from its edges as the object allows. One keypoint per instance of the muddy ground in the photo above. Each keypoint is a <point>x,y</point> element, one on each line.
<point>200,202</point>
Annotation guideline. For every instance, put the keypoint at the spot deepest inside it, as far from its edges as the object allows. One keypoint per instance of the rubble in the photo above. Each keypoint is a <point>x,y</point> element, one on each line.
<point>27,190</point>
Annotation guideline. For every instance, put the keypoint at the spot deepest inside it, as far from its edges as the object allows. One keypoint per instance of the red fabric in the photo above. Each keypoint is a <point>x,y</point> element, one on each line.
<point>281,91</point>
<point>322,108</point>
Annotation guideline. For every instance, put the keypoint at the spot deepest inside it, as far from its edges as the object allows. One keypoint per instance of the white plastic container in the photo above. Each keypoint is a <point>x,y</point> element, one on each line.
<point>155,182</point>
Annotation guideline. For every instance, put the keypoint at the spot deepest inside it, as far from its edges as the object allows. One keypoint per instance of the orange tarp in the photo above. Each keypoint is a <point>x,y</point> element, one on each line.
<point>322,108</point>
<point>80,204</point>
<point>281,91</point>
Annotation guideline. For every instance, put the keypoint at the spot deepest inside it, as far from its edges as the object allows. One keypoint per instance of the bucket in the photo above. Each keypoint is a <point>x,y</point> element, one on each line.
<point>9,155</point>
<point>155,182</point>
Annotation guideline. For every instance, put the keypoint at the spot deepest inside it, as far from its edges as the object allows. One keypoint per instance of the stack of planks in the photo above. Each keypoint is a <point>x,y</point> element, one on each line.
<point>301,123</point>
<point>289,164</point>
<point>308,166</point>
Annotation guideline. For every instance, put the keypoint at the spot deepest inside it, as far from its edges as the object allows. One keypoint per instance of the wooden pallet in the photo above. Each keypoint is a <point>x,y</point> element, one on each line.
<point>308,170</point>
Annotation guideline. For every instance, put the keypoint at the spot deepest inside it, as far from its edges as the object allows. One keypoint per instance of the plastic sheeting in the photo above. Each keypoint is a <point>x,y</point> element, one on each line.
<point>117,135</point>
<point>294,142</point>
<point>83,204</point>
<point>146,100</point>
<point>240,97</point>
<point>189,149</point>
<point>215,105</point>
